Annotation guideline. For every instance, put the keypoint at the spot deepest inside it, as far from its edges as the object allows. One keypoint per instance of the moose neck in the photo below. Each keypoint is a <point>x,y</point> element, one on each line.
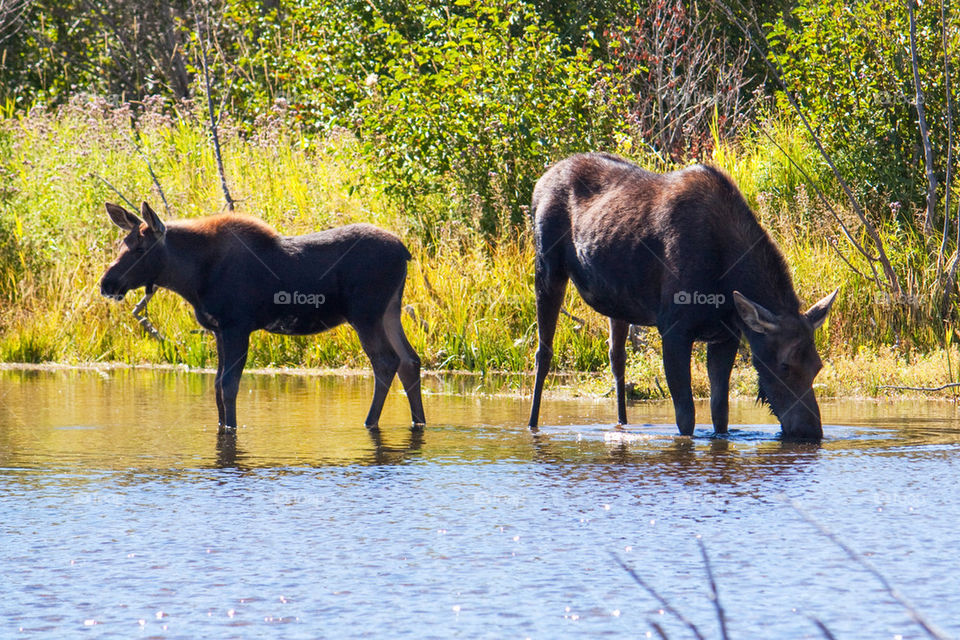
<point>756,268</point>
<point>187,252</point>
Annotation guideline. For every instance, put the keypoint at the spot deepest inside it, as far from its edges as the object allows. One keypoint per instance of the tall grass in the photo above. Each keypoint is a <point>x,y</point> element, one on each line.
<point>469,300</point>
<point>469,296</point>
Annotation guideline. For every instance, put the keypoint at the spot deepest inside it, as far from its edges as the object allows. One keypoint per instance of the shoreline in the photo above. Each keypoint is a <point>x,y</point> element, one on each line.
<point>589,385</point>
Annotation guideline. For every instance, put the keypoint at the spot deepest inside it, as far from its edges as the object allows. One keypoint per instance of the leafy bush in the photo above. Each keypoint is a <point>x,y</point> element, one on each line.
<point>485,96</point>
<point>850,67</point>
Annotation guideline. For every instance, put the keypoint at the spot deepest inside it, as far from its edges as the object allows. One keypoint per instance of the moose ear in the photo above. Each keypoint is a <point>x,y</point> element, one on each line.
<point>756,317</point>
<point>152,219</point>
<point>818,312</point>
<point>122,218</point>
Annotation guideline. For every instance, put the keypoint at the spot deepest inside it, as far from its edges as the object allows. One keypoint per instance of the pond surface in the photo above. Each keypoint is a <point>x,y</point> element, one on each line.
<point>123,514</point>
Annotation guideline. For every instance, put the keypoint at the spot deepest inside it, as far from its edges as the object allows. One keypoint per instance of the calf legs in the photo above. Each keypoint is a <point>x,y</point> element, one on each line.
<point>387,347</point>
<point>232,345</point>
<point>409,369</point>
<point>385,362</point>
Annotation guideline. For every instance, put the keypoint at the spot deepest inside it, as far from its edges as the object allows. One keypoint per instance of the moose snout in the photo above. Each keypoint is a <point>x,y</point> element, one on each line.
<point>802,422</point>
<point>112,289</point>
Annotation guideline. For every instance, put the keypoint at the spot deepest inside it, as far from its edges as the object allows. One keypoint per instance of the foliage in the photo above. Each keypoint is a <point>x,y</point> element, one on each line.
<point>52,309</point>
<point>471,303</point>
<point>684,82</point>
<point>486,97</point>
<point>849,65</point>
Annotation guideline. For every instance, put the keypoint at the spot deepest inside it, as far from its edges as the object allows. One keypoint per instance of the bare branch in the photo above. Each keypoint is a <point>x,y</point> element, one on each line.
<point>140,313</point>
<point>114,189</point>
<point>823,628</point>
<point>949,385</point>
<point>714,594</point>
<point>776,71</point>
<point>823,198</point>
<point>137,144</point>
<point>949,116</point>
<point>201,39</point>
<point>11,12</point>
<point>924,133</point>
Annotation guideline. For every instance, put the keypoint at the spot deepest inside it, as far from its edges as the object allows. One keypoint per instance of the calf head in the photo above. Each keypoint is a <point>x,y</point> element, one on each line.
<point>142,256</point>
<point>787,362</point>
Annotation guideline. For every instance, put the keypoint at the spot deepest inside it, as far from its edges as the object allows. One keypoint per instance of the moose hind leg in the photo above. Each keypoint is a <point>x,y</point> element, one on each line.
<point>409,369</point>
<point>550,286</point>
<point>720,359</point>
<point>618,364</point>
<point>384,361</point>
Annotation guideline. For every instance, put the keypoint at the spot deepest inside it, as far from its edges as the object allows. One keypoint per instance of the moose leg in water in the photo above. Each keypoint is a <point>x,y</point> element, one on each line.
<point>550,282</point>
<point>720,358</point>
<point>618,364</point>
<point>385,363</point>
<point>232,345</point>
<point>409,369</point>
<point>676,368</point>
<point>218,380</point>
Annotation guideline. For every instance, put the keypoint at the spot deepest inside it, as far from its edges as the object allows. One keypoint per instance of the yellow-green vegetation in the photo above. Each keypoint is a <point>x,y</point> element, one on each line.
<point>469,295</point>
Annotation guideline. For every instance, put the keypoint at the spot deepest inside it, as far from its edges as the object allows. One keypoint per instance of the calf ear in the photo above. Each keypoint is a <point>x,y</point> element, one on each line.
<point>152,219</point>
<point>756,317</point>
<point>122,218</point>
<point>818,312</point>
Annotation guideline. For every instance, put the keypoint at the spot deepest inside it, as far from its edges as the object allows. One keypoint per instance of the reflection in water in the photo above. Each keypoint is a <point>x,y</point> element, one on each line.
<point>123,507</point>
<point>387,454</point>
<point>227,449</point>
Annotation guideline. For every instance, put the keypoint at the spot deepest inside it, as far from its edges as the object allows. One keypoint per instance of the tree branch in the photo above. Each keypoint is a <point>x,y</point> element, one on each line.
<point>949,385</point>
<point>924,133</point>
<point>669,608</point>
<point>776,72</point>
<point>213,120</point>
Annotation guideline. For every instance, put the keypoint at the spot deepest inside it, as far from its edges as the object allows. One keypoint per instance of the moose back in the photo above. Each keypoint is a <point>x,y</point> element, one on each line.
<point>241,276</point>
<point>683,252</point>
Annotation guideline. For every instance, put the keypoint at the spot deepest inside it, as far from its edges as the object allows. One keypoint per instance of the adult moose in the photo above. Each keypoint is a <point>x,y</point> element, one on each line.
<point>240,276</point>
<point>681,251</point>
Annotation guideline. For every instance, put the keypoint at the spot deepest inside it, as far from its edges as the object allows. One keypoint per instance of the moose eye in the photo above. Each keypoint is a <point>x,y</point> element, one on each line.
<point>139,249</point>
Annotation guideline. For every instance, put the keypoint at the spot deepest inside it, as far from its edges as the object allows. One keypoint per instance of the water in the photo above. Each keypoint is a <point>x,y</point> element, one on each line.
<point>123,514</point>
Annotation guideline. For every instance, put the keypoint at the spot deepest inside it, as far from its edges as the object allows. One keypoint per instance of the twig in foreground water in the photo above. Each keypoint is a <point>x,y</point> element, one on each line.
<point>918,617</point>
<point>663,601</point>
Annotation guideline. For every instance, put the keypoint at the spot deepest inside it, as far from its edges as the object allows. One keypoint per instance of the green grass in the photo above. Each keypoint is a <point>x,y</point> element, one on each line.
<point>470,296</point>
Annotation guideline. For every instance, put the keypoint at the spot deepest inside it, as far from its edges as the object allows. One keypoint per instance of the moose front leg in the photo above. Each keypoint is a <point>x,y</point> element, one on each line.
<point>618,364</point>
<point>720,359</point>
<point>676,368</point>
<point>232,345</point>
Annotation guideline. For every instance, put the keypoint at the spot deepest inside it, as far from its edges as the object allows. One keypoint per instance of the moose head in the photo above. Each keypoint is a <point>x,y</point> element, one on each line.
<point>787,362</point>
<point>142,255</point>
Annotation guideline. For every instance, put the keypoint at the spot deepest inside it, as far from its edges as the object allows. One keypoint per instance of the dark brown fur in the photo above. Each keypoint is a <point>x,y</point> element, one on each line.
<point>636,243</point>
<point>240,276</point>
